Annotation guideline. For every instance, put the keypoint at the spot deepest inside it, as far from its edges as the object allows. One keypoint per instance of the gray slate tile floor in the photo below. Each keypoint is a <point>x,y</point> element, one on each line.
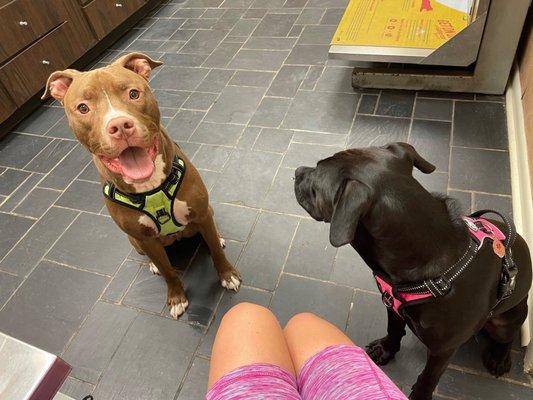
<point>249,94</point>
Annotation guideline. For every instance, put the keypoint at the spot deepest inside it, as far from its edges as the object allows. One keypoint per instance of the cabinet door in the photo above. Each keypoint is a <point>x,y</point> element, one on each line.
<point>7,106</point>
<point>26,74</point>
<point>105,15</point>
<point>25,21</point>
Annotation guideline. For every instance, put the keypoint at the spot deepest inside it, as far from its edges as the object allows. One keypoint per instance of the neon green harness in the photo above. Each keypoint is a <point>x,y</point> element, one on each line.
<point>157,203</point>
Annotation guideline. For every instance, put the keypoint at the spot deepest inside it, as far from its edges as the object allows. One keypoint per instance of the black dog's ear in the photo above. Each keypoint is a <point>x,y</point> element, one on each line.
<point>407,152</point>
<point>352,202</point>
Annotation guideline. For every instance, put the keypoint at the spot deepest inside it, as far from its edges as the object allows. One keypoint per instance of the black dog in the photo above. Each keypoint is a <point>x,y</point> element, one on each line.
<point>408,235</point>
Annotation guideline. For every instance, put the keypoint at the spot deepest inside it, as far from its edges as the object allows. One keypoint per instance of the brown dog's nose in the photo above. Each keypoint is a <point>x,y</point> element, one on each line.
<point>120,126</point>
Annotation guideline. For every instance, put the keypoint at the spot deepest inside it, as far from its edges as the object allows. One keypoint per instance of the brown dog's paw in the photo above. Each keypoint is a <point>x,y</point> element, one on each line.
<point>378,351</point>
<point>153,269</point>
<point>177,306</point>
<point>176,300</point>
<point>231,280</point>
<point>498,363</point>
<point>222,242</point>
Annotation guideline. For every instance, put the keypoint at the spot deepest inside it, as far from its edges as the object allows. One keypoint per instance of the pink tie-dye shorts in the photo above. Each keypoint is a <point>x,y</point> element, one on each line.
<point>336,373</point>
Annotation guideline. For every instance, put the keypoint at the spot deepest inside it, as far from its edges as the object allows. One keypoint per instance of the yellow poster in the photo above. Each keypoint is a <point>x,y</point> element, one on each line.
<point>424,24</point>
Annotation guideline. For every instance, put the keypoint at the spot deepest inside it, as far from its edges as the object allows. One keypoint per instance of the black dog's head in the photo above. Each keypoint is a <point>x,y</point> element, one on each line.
<point>343,188</point>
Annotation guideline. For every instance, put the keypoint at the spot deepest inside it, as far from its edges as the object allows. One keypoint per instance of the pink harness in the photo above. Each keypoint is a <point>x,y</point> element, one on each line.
<point>482,232</point>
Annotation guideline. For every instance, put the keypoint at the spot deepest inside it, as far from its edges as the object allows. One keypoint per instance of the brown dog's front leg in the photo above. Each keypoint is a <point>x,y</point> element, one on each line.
<point>429,378</point>
<point>229,276</point>
<point>176,299</point>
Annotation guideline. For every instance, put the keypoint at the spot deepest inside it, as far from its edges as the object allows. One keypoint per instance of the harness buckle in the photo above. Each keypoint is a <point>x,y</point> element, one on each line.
<point>173,178</point>
<point>471,225</point>
<point>507,282</point>
<point>439,286</point>
<point>443,284</point>
<point>162,216</point>
<point>387,299</point>
<point>136,199</point>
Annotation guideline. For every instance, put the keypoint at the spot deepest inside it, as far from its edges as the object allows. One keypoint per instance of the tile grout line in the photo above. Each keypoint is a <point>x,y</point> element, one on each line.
<point>411,122</point>
<point>45,175</point>
<point>28,273</point>
<point>282,272</point>
<point>450,148</point>
<point>352,305</point>
<point>37,221</point>
<point>484,374</point>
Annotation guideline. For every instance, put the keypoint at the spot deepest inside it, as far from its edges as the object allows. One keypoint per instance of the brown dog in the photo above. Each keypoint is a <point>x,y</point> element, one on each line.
<point>114,114</point>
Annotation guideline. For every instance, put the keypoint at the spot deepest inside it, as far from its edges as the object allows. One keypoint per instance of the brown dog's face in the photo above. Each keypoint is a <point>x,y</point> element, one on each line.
<point>114,114</point>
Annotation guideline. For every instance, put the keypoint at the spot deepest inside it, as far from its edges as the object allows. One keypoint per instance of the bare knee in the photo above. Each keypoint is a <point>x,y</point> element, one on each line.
<point>314,329</point>
<point>301,321</point>
<point>244,312</point>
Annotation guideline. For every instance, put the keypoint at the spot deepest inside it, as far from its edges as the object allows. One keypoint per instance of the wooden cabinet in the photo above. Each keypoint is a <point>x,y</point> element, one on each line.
<point>25,73</point>
<point>7,106</point>
<point>22,24</point>
<point>105,15</point>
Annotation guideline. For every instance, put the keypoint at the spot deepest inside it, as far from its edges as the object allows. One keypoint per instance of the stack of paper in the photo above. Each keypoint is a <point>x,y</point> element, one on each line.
<point>423,24</point>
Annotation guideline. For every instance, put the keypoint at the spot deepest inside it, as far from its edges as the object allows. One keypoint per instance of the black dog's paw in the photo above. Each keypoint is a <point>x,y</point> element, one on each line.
<point>415,396</point>
<point>379,351</point>
<point>420,392</point>
<point>496,362</point>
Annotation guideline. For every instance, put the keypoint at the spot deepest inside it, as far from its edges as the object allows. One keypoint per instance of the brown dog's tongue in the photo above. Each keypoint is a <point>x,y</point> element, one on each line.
<point>136,163</point>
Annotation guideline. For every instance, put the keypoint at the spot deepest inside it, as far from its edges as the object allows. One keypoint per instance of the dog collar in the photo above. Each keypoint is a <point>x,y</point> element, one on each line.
<point>157,203</point>
<point>482,232</point>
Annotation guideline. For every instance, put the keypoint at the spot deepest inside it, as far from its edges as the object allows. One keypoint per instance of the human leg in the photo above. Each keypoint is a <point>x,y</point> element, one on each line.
<point>251,335</point>
<point>306,334</point>
<point>331,367</point>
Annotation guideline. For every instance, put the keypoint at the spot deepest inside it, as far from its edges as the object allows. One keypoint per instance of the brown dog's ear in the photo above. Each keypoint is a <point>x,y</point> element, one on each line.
<point>352,203</point>
<point>139,63</point>
<point>58,83</point>
<point>407,152</point>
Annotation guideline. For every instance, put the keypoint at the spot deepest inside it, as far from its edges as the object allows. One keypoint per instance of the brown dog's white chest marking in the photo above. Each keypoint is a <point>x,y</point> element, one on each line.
<point>181,212</point>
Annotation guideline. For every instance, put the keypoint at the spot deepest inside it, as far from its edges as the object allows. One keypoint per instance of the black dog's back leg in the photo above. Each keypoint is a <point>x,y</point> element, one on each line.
<point>502,330</point>
<point>381,351</point>
<point>429,378</point>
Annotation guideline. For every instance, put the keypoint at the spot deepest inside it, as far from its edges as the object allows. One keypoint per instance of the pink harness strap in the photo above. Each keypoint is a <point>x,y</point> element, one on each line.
<point>482,229</point>
<point>395,302</point>
<point>479,228</point>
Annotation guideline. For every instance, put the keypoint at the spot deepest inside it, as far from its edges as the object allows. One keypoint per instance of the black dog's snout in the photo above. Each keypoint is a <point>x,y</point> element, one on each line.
<point>300,172</point>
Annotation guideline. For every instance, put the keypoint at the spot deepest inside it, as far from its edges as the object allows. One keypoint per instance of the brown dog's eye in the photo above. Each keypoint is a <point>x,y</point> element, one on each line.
<point>134,94</point>
<point>83,108</point>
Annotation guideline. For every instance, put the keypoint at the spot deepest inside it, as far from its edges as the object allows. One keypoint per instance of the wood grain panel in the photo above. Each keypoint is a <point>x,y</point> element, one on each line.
<point>105,15</point>
<point>7,106</point>
<point>26,74</point>
<point>24,21</point>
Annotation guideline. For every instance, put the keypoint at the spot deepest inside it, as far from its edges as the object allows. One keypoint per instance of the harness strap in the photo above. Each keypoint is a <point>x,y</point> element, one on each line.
<point>157,203</point>
<point>399,296</point>
<point>509,270</point>
<point>509,224</point>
